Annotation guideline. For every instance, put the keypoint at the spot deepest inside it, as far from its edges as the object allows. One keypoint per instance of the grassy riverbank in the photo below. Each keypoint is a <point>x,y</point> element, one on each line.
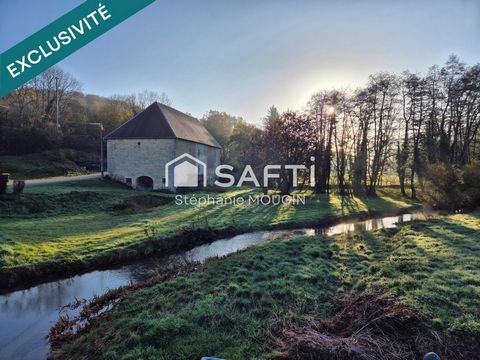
<point>72,227</point>
<point>234,307</point>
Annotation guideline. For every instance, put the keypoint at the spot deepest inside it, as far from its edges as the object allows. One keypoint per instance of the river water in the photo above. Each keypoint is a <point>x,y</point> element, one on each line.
<point>26,316</point>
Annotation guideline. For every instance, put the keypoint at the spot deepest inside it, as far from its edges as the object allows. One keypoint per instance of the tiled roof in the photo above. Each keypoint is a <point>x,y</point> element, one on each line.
<point>159,121</point>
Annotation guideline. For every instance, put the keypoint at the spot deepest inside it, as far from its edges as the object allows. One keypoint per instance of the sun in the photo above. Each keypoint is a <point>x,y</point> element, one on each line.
<point>330,110</point>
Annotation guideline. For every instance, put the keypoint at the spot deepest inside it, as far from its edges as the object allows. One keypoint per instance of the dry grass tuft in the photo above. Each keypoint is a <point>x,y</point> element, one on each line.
<point>371,326</point>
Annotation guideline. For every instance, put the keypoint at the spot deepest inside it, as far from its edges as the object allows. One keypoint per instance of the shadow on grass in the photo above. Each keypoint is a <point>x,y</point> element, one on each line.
<point>433,265</point>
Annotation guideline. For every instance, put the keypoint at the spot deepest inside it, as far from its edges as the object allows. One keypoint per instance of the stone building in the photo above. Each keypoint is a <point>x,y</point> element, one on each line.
<point>162,148</point>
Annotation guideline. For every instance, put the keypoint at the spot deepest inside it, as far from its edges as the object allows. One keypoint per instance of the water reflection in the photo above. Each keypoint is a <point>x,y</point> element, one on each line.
<point>372,224</point>
<point>26,316</point>
<point>227,246</point>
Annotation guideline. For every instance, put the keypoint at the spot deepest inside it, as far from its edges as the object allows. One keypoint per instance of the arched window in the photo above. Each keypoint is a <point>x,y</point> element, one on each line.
<point>145,183</point>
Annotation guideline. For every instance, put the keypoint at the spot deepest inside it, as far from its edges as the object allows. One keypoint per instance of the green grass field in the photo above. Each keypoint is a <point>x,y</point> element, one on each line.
<point>64,225</point>
<point>229,309</point>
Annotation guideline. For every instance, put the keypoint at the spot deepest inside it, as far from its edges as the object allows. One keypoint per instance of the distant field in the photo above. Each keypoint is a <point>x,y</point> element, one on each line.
<point>234,306</point>
<point>61,226</point>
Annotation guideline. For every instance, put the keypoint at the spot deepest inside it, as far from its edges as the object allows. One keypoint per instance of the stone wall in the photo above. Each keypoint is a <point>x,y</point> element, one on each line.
<point>128,159</point>
<point>132,158</point>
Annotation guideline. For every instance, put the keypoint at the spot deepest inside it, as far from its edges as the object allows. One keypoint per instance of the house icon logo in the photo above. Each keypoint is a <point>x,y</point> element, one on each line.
<point>186,171</point>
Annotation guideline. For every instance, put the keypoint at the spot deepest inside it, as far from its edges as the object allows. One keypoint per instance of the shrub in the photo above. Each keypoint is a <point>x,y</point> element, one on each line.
<point>448,187</point>
<point>18,186</point>
<point>33,139</point>
<point>471,183</point>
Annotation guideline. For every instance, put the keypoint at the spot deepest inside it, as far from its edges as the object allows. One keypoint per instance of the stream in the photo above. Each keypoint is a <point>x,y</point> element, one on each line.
<point>26,316</point>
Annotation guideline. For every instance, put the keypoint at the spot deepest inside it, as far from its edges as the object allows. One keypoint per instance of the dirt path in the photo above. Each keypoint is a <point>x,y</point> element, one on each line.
<point>59,180</point>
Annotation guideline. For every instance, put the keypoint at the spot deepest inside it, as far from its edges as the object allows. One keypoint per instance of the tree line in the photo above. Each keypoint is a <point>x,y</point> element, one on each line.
<point>396,125</point>
<point>28,115</point>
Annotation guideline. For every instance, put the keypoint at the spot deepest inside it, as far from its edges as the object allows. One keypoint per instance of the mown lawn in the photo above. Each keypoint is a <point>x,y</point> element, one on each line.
<point>70,223</point>
<point>229,309</point>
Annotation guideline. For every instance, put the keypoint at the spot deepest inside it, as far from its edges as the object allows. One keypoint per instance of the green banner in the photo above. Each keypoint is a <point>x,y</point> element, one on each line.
<point>56,41</point>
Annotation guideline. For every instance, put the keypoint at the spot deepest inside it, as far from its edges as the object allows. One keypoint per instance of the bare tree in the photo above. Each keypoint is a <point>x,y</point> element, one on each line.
<point>344,135</point>
<point>147,97</point>
<point>287,141</point>
<point>322,108</point>
<point>376,118</point>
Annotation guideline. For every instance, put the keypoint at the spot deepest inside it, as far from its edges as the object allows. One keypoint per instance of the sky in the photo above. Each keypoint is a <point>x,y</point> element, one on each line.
<point>242,56</point>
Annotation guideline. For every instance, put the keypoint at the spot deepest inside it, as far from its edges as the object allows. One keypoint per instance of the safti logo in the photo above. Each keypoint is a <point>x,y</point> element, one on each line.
<point>185,173</point>
<point>188,171</point>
